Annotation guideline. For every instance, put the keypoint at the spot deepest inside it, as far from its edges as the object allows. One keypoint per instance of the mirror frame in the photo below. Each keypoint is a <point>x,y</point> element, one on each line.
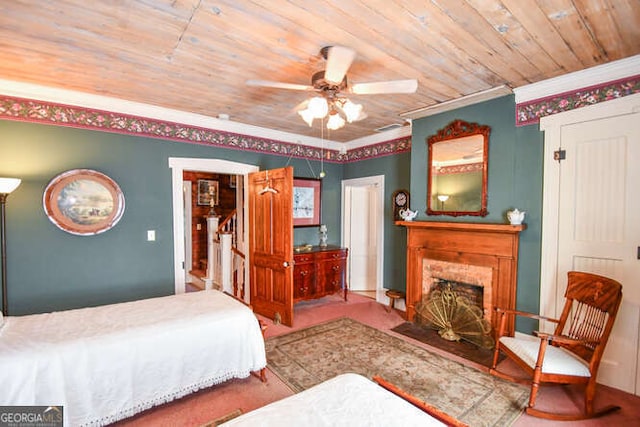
<point>454,130</point>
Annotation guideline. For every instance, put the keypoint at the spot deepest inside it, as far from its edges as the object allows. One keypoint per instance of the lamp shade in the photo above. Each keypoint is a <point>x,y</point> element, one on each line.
<point>351,110</point>
<point>307,116</point>
<point>318,106</point>
<point>7,185</point>
<point>335,121</point>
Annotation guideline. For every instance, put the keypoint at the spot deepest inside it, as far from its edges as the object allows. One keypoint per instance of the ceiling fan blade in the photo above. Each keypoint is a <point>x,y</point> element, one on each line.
<point>278,85</point>
<point>339,59</point>
<point>392,86</point>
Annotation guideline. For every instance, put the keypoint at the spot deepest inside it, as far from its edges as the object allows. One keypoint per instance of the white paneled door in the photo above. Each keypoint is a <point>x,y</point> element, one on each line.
<point>599,227</point>
<point>363,231</point>
<point>362,255</point>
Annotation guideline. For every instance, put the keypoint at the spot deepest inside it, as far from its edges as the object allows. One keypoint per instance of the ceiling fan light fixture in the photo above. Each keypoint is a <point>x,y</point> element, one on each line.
<point>335,121</point>
<point>351,110</point>
<point>331,83</point>
<point>307,116</point>
<point>318,107</point>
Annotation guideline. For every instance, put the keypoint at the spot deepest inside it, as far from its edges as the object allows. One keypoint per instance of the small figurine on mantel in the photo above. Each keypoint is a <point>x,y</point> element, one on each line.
<point>323,235</point>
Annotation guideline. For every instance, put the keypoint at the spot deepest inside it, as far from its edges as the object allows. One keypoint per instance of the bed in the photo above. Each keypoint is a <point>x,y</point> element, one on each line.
<point>346,400</point>
<point>106,363</point>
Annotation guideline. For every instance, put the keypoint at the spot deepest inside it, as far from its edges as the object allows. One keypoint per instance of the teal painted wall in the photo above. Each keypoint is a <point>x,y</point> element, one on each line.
<point>396,171</point>
<point>49,269</point>
<point>514,180</point>
<point>330,203</point>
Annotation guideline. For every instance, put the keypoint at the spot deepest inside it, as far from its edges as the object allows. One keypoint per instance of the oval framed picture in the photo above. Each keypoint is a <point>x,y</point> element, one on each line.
<point>83,202</point>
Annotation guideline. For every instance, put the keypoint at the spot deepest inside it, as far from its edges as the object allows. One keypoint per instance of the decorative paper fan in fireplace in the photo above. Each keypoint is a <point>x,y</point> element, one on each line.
<point>331,85</point>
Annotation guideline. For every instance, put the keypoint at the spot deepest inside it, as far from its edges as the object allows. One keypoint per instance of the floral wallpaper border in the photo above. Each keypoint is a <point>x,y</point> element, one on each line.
<point>395,146</point>
<point>28,110</point>
<point>530,112</point>
<point>455,169</point>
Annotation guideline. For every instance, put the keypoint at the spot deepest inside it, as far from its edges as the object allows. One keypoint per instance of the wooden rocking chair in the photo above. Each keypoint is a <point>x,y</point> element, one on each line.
<point>571,355</point>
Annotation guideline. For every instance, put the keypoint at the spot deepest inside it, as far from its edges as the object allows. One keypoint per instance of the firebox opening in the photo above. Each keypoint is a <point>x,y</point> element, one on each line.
<point>455,310</point>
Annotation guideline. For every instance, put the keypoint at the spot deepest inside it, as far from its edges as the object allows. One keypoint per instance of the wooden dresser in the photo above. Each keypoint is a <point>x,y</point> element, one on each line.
<point>319,271</point>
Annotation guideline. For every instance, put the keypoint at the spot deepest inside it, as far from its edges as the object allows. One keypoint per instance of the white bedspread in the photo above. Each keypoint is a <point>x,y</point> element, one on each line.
<point>348,400</point>
<point>110,362</point>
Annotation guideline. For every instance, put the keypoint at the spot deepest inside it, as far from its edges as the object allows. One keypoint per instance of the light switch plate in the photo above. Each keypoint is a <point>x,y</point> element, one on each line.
<point>151,235</point>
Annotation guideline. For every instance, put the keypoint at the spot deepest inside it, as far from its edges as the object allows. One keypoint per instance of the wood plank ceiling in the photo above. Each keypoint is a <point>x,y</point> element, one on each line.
<point>196,55</point>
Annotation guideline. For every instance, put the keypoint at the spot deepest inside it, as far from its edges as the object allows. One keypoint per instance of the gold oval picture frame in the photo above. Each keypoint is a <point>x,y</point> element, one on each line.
<point>83,202</point>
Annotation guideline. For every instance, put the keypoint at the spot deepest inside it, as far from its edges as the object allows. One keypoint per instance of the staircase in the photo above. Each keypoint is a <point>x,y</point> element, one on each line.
<point>225,263</point>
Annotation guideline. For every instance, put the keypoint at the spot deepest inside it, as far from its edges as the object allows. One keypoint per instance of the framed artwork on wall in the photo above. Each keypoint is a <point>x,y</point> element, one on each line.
<point>208,191</point>
<point>83,202</point>
<point>306,202</point>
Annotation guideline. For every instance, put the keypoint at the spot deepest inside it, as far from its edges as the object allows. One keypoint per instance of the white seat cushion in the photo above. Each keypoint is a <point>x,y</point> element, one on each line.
<point>556,360</point>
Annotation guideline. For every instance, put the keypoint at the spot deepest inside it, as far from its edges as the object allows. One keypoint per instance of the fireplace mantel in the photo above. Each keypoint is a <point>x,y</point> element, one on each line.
<point>483,244</point>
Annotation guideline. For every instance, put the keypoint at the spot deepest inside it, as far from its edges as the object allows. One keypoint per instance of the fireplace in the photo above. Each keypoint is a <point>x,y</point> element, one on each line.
<point>484,255</point>
<point>471,319</point>
<point>463,278</point>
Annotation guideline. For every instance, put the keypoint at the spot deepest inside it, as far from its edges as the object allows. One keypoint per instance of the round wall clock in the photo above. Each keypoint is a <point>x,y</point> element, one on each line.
<point>400,201</point>
<point>83,202</point>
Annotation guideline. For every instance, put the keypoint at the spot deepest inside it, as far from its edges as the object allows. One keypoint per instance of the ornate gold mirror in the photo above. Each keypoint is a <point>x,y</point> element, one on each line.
<point>457,162</point>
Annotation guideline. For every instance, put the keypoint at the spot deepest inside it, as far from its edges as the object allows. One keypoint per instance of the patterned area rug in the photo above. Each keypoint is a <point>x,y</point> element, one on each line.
<point>310,356</point>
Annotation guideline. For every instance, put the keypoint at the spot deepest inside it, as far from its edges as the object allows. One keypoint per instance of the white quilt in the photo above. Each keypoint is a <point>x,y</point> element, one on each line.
<point>110,362</point>
<point>348,400</point>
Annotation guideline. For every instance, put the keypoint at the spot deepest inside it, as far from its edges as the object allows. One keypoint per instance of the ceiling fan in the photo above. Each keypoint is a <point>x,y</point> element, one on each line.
<point>331,84</point>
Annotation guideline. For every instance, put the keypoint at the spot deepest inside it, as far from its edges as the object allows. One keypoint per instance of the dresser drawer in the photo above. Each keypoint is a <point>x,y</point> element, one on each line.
<point>329,255</point>
<point>302,258</point>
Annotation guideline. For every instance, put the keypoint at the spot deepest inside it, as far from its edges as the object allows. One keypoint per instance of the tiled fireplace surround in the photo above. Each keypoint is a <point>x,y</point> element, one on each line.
<point>480,254</point>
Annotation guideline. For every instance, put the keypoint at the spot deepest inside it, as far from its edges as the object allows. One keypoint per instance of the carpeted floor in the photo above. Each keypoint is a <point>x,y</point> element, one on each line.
<point>249,393</point>
<point>310,356</point>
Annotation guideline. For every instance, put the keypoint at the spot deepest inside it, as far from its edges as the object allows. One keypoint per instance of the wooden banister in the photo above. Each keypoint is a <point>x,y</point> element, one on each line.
<point>226,220</point>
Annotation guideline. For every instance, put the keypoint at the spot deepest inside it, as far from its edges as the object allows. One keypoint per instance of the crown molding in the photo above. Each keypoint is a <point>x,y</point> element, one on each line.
<point>377,138</point>
<point>474,98</point>
<point>614,70</point>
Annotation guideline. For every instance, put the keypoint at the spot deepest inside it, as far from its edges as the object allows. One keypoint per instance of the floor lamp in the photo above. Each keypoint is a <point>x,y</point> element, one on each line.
<point>7,185</point>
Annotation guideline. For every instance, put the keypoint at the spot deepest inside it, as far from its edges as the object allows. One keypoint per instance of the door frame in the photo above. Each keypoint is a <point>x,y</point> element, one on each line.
<point>377,181</point>
<point>178,165</point>
<point>550,295</point>
<point>188,238</point>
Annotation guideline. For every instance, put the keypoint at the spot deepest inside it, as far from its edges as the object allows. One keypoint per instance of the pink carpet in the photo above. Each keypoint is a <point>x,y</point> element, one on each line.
<point>247,394</point>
